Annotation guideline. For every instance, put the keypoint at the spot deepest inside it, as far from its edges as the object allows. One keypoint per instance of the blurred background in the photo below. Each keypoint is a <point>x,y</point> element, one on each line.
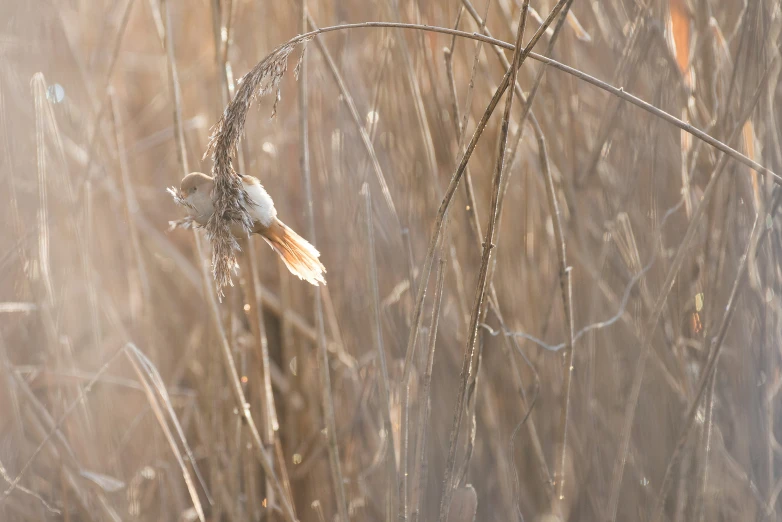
<point>116,402</point>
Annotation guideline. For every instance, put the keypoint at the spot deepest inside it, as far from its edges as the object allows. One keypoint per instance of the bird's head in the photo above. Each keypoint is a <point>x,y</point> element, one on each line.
<point>194,184</point>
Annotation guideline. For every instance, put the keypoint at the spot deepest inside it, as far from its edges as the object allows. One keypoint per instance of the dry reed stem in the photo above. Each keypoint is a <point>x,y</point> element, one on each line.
<point>567,303</point>
<point>57,425</point>
<point>146,372</point>
<point>472,210</point>
<point>323,359</point>
<point>255,317</point>
<point>415,89</point>
<point>460,125</point>
<point>425,404</point>
<point>233,376</point>
<point>488,246</point>
<point>565,281</point>
<point>527,113</point>
<point>252,287</point>
<point>351,104</point>
<point>438,226</point>
<point>415,322</point>
<point>265,77</point>
<point>130,206</point>
<point>459,133</point>
<point>96,130</point>
<point>493,301</point>
<point>756,239</point>
<point>654,317</point>
<point>385,381</point>
<point>492,295</point>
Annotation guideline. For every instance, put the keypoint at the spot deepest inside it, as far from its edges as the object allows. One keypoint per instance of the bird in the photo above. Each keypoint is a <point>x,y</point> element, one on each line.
<point>299,256</point>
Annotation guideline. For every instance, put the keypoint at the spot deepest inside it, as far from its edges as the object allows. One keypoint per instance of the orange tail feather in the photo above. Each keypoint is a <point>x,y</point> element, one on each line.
<point>299,256</point>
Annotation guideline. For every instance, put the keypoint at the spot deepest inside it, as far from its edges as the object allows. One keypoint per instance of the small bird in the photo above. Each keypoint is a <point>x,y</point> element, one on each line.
<point>299,256</point>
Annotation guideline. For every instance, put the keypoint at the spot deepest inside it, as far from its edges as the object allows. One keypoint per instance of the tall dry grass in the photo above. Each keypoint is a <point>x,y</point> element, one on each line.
<point>566,309</point>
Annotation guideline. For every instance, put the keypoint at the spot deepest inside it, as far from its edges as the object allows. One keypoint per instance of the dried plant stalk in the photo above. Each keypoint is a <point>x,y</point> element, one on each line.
<point>230,198</point>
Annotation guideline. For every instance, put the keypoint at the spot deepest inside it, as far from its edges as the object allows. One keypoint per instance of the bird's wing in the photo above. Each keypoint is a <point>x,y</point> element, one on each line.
<point>262,209</point>
<point>250,180</point>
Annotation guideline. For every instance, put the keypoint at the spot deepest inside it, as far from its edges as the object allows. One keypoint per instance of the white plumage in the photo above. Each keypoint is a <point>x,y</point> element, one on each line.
<point>299,256</point>
<point>262,208</point>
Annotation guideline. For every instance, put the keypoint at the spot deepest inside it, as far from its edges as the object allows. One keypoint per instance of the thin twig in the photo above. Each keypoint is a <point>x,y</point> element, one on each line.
<point>385,386</point>
<point>567,303</point>
<point>229,196</point>
<point>619,92</point>
<point>757,236</point>
<point>438,226</point>
<point>351,104</point>
<point>706,374</point>
<point>488,246</point>
<point>82,395</point>
<point>654,317</point>
<point>323,360</point>
<point>562,6</point>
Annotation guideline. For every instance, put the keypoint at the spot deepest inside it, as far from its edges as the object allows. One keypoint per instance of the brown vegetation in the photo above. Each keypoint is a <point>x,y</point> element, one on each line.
<point>568,309</point>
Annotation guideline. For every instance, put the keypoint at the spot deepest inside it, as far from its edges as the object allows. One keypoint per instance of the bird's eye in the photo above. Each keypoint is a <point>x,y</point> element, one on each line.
<point>195,188</point>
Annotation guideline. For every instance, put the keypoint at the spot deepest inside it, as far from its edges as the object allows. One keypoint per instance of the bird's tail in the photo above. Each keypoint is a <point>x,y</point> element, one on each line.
<point>299,256</point>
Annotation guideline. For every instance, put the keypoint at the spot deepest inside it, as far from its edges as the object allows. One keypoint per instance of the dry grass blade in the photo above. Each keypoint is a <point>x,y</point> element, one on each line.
<point>83,391</point>
<point>425,404</point>
<point>39,90</point>
<point>151,381</point>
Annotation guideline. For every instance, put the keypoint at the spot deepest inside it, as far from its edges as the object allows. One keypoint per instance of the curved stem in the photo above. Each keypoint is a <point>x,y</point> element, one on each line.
<point>468,364</point>
<point>600,84</point>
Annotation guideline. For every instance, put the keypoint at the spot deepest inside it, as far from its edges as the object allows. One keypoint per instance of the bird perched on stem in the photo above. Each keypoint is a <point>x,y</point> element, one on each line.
<point>301,258</point>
